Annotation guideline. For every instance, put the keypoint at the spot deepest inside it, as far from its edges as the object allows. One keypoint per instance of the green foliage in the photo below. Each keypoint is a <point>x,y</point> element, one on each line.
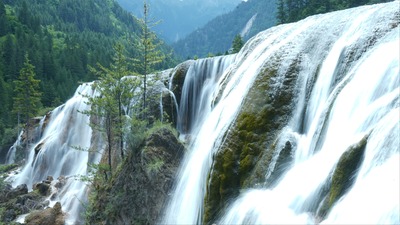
<point>149,53</point>
<point>7,168</point>
<point>218,34</point>
<point>237,44</point>
<point>27,99</point>
<point>62,39</point>
<point>294,10</point>
<point>115,91</point>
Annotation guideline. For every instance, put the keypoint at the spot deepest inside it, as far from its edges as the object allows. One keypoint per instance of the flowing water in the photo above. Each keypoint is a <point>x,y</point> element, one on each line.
<point>355,93</point>
<point>201,79</point>
<point>57,153</point>
<point>347,88</point>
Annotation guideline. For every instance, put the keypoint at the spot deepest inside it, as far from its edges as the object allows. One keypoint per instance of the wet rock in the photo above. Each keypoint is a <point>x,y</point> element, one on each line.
<point>60,182</point>
<point>9,215</point>
<point>248,146</point>
<point>141,188</point>
<point>343,175</point>
<point>49,216</point>
<point>19,190</point>
<point>42,188</point>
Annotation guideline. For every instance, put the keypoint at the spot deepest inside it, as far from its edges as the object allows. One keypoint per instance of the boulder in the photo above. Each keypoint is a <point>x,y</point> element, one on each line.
<point>140,189</point>
<point>19,190</point>
<point>49,216</point>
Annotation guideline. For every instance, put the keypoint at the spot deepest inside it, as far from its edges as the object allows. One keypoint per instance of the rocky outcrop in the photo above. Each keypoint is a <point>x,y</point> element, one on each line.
<point>243,159</point>
<point>49,216</point>
<point>179,78</point>
<point>18,201</point>
<point>143,182</point>
<point>343,175</point>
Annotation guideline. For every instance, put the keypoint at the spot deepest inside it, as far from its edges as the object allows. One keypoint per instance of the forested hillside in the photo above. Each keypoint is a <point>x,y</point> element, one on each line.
<point>295,10</point>
<point>179,18</point>
<point>61,39</point>
<point>217,35</point>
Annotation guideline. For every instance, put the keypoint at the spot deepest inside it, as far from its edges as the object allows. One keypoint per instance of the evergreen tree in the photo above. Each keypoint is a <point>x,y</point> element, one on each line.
<point>281,14</point>
<point>150,55</point>
<point>27,95</point>
<point>115,91</point>
<point>3,19</point>
<point>237,44</point>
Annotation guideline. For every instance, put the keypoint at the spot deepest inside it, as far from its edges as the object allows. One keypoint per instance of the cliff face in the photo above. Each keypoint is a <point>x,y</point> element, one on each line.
<point>142,183</point>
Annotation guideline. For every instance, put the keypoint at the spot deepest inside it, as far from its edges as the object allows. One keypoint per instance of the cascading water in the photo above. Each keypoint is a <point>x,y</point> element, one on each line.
<point>355,94</point>
<point>364,102</point>
<point>200,82</point>
<point>56,153</point>
<point>185,206</point>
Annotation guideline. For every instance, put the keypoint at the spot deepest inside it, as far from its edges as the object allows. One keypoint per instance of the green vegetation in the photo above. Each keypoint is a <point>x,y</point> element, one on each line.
<point>149,53</point>
<point>237,44</point>
<point>243,158</point>
<point>26,94</point>
<point>217,35</point>
<point>114,92</point>
<point>62,38</point>
<point>147,168</point>
<point>343,174</point>
<point>294,10</point>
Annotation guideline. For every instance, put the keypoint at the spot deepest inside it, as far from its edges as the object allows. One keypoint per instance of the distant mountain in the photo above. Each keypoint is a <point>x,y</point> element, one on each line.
<point>180,17</point>
<point>247,19</point>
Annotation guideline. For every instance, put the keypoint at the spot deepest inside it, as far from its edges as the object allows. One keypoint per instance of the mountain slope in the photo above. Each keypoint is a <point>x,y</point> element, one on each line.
<point>62,38</point>
<point>217,35</point>
<point>180,17</point>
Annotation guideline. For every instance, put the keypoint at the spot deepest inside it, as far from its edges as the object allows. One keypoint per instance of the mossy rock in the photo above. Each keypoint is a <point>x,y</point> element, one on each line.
<point>49,216</point>
<point>264,113</point>
<point>343,175</point>
<point>139,188</point>
<point>179,78</point>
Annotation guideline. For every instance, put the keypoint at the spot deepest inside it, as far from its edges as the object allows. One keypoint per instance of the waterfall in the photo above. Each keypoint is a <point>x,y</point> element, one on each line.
<point>364,102</point>
<point>347,89</point>
<point>185,206</point>
<point>56,154</point>
<point>10,157</point>
<point>200,81</point>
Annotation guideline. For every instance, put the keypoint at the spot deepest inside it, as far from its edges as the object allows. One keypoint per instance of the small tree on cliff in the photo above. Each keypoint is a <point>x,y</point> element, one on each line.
<point>27,100</point>
<point>114,94</point>
<point>149,53</point>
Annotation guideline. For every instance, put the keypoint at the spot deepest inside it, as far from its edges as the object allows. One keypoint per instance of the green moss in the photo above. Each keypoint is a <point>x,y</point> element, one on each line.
<point>343,175</point>
<point>7,168</point>
<point>264,112</point>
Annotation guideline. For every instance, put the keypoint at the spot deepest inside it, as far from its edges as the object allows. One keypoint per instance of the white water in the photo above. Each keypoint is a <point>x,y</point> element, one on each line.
<point>366,100</point>
<point>185,207</point>
<point>58,156</point>
<point>200,81</point>
<point>351,97</point>
<point>10,157</point>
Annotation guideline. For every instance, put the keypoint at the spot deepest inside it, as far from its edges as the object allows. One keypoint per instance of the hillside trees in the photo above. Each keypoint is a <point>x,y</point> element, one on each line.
<point>60,46</point>
<point>294,10</point>
<point>27,99</point>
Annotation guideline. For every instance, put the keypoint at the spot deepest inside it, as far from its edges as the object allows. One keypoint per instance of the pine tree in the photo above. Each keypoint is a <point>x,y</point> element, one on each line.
<point>3,19</point>
<point>281,14</point>
<point>150,55</point>
<point>237,44</point>
<point>115,92</point>
<point>27,100</point>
